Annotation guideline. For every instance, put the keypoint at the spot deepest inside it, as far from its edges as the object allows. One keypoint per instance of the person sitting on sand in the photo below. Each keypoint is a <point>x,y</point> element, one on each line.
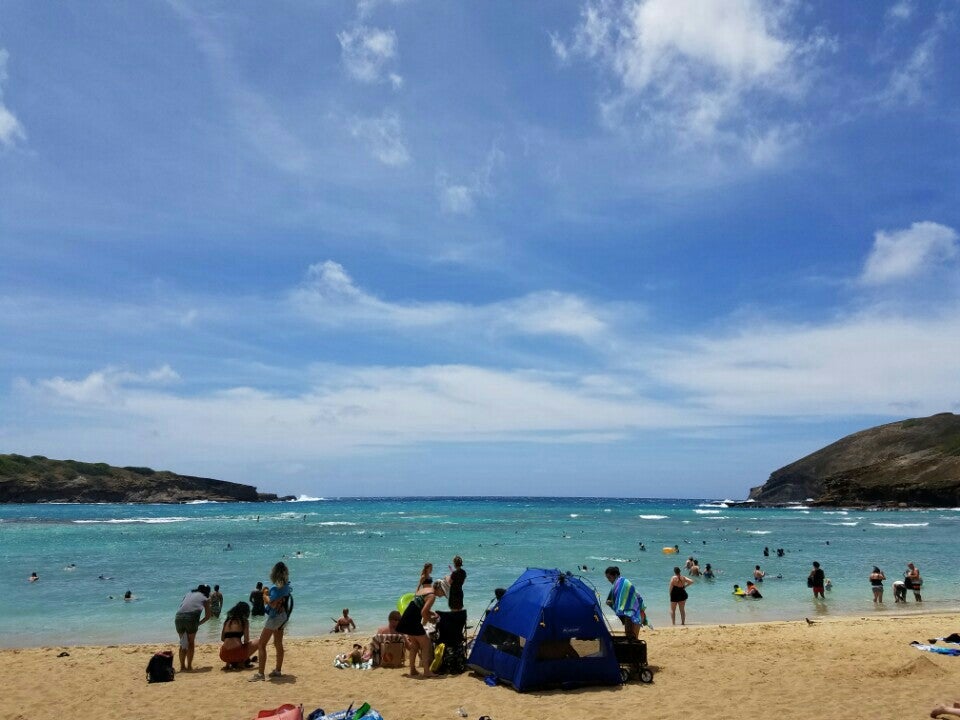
<point>951,710</point>
<point>344,623</point>
<point>235,636</point>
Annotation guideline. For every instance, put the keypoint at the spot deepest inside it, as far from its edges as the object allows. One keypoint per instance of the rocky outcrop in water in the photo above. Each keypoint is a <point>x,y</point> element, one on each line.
<point>38,479</point>
<point>911,463</point>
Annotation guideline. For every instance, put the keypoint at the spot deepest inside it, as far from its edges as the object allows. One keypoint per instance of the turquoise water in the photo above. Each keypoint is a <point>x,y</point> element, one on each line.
<point>364,553</point>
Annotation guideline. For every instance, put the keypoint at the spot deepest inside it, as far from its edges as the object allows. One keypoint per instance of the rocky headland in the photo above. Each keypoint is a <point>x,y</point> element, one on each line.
<point>911,463</point>
<point>38,479</point>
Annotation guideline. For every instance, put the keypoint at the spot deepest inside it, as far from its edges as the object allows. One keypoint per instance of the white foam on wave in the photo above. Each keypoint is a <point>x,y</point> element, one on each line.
<point>900,525</point>
<point>717,517</point>
<point>796,507</point>
<point>759,532</point>
<point>835,512</point>
<point>607,510</point>
<point>722,504</point>
<point>653,517</point>
<point>844,524</point>
<point>306,498</point>
<point>124,521</point>
<point>201,502</point>
<point>335,522</point>
<point>706,512</point>
<point>574,515</point>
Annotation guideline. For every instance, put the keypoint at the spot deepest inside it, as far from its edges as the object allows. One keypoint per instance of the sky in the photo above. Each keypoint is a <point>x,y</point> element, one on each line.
<point>645,248</point>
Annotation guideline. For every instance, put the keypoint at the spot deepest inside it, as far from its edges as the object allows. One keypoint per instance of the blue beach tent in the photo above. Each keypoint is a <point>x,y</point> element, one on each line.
<point>547,630</point>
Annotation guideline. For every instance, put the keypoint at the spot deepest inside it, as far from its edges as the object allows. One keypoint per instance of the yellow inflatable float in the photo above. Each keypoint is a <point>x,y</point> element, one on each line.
<point>669,550</point>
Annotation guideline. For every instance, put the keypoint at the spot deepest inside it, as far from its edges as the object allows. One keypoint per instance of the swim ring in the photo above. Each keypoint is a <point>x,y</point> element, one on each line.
<point>404,601</point>
<point>668,550</point>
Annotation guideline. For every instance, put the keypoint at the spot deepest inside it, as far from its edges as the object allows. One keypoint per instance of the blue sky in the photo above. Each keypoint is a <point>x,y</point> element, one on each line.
<point>651,248</point>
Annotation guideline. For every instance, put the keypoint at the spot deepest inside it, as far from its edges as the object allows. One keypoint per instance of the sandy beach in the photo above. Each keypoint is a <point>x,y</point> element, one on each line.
<point>850,667</point>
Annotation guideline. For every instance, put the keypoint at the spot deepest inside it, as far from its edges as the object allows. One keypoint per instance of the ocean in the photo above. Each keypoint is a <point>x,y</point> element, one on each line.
<point>363,553</point>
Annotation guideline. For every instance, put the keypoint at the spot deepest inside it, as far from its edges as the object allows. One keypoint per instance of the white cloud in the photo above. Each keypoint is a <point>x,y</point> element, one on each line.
<point>904,254</point>
<point>360,408</point>
<point>105,386</point>
<point>330,297</point>
<point>366,51</point>
<point>693,69</point>
<point>871,364</point>
<point>11,131</point>
<point>383,136</point>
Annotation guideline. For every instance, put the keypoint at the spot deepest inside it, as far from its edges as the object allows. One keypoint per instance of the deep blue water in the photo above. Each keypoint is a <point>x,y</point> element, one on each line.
<point>365,553</point>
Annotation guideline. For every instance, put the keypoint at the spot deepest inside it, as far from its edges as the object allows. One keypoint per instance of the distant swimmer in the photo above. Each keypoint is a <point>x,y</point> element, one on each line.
<point>643,548</point>
<point>128,596</point>
<point>228,547</point>
<point>34,577</point>
<point>104,577</point>
<point>71,566</point>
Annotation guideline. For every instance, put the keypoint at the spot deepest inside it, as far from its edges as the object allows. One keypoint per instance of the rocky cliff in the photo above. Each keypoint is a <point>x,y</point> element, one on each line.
<point>37,479</point>
<point>913,463</point>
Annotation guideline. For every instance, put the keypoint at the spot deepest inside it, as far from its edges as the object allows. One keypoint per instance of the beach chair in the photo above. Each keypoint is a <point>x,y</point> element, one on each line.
<point>452,633</point>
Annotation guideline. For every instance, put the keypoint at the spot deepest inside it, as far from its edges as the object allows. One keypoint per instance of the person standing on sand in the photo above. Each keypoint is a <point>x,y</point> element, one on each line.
<point>815,581</point>
<point>625,602</point>
<point>455,581</point>
<point>418,612</point>
<point>678,596</point>
<point>187,621</point>
<point>276,602</point>
<point>876,584</point>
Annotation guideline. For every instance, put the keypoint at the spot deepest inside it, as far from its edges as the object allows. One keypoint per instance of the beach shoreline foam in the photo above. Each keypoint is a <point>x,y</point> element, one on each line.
<point>857,667</point>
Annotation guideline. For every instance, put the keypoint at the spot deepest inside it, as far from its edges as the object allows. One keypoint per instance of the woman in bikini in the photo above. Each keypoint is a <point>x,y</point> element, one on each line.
<point>876,584</point>
<point>678,596</point>
<point>235,636</point>
<point>418,612</point>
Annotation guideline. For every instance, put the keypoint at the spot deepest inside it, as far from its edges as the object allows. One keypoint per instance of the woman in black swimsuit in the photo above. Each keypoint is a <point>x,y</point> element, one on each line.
<point>876,584</point>
<point>678,596</point>
<point>235,636</point>
<point>418,612</point>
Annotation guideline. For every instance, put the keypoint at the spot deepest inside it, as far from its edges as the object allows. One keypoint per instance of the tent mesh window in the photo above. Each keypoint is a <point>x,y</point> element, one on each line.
<point>503,641</point>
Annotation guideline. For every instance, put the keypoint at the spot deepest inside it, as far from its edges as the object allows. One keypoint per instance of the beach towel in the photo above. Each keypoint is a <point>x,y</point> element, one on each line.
<point>937,649</point>
<point>626,602</point>
<point>342,662</point>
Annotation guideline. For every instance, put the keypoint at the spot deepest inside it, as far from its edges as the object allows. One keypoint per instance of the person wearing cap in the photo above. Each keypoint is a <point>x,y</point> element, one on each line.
<point>187,621</point>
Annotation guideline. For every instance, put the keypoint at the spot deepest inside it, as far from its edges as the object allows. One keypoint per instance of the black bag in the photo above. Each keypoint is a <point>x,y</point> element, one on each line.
<point>160,667</point>
<point>810,581</point>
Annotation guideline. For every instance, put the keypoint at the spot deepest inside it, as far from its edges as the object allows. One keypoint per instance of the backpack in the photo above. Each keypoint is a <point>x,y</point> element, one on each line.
<point>160,667</point>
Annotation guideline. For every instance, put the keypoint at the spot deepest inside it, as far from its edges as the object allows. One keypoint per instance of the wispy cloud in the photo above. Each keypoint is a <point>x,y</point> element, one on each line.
<point>905,254</point>
<point>329,296</point>
<point>698,71</point>
<point>460,197</point>
<point>910,80</point>
<point>383,137</point>
<point>11,131</point>
<point>367,51</point>
<point>257,121</point>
